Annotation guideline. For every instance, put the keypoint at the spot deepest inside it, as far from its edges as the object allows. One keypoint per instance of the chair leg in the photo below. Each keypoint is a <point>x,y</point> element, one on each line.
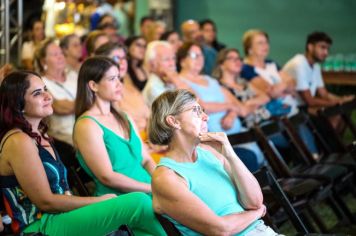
<point>307,222</point>
<point>344,208</point>
<point>321,225</point>
<point>336,209</point>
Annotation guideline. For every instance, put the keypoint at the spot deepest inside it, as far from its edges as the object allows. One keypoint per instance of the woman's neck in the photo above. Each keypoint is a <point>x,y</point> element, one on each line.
<point>56,75</point>
<point>73,63</point>
<point>190,74</point>
<point>34,122</point>
<point>101,107</point>
<point>255,61</point>
<point>182,150</point>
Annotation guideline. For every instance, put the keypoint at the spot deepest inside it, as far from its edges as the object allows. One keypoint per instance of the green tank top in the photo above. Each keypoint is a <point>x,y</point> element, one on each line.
<point>125,157</point>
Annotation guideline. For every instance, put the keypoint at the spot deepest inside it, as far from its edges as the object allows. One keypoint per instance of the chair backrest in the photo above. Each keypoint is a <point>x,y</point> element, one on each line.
<point>291,125</point>
<point>275,160</point>
<point>266,178</point>
<point>256,135</point>
<point>77,177</point>
<point>344,111</point>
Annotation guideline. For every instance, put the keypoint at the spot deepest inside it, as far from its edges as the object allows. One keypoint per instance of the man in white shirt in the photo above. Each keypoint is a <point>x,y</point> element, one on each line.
<point>306,71</point>
<point>161,63</point>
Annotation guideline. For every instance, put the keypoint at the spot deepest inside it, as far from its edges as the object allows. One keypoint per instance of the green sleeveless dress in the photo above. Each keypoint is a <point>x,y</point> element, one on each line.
<point>125,157</point>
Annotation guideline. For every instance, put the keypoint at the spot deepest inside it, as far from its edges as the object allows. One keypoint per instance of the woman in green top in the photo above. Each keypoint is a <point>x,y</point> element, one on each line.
<point>109,148</point>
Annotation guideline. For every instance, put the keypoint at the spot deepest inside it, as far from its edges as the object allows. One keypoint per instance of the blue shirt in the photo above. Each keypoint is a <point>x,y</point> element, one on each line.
<point>208,180</point>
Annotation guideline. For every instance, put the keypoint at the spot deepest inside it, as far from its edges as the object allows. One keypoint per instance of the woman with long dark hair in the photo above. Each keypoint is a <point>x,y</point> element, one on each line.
<point>34,180</point>
<point>109,147</point>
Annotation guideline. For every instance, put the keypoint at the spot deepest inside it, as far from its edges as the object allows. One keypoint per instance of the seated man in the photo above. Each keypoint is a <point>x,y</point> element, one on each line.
<point>161,62</point>
<point>214,193</point>
<point>305,69</point>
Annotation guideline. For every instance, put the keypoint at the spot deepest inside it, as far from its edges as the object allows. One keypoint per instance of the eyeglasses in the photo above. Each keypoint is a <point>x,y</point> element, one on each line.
<point>140,45</point>
<point>197,110</point>
<point>194,55</point>
<point>234,59</point>
<point>118,59</point>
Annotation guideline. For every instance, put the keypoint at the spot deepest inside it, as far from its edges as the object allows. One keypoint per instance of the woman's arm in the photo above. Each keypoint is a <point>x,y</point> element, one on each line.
<point>260,98</point>
<point>88,138</point>
<point>274,91</point>
<point>250,193</point>
<point>63,107</point>
<point>147,161</point>
<point>29,171</point>
<point>185,207</point>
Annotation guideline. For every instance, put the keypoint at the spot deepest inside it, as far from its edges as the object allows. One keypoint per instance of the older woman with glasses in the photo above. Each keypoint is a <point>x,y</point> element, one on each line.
<point>214,193</point>
<point>227,72</point>
<point>223,108</point>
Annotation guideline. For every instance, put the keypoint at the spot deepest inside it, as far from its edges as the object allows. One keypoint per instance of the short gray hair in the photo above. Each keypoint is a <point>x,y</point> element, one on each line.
<point>168,103</point>
<point>151,51</point>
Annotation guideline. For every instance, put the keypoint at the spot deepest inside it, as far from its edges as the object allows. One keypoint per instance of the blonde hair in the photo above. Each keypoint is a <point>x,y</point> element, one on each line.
<point>168,103</point>
<point>248,37</point>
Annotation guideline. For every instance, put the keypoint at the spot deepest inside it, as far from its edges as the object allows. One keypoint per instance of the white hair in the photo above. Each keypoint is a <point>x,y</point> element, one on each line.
<point>151,51</point>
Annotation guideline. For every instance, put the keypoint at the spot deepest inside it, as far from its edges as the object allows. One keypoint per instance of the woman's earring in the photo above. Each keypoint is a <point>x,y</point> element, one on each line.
<point>45,67</point>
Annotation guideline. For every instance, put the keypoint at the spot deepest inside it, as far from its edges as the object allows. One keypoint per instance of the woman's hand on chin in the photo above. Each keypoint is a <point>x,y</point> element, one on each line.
<point>217,140</point>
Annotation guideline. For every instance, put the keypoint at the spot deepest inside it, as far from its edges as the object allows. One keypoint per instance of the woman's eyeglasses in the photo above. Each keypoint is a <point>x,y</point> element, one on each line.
<point>197,110</point>
<point>118,59</point>
<point>194,55</point>
<point>140,45</point>
<point>234,59</point>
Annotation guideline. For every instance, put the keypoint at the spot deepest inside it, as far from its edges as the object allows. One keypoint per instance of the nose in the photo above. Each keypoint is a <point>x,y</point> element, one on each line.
<point>204,116</point>
<point>47,96</point>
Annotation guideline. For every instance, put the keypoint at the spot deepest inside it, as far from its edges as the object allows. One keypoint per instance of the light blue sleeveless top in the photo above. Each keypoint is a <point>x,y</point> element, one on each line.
<point>213,93</point>
<point>209,181</point>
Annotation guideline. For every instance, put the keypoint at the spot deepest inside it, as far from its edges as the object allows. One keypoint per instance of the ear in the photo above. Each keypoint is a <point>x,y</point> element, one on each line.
<point>173,122</point>
<point>93,86</point>
<point>310,47</point>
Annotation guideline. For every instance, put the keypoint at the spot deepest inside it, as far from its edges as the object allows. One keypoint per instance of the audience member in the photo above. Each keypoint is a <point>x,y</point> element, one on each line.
<point>227,72</point>
<point>160,60</point>
<point>34,180</point>
<point>29,47</point>
<point>265,75</point>
<point>305,70</point>
<point>109,26</point>
<point>209,32</point>
<point>145,23</point>
<point>223,108</point>
<point>132,101</point>
<point>173,38</point>
<point>136,46</point>
<point>196,171</point>
<point>155,31</point>
<point>94,40</point>
<point>51,64</point>
<point>191,33</point>
<point>109,148</point>
<point>72,50</point>
<point>5,70</point>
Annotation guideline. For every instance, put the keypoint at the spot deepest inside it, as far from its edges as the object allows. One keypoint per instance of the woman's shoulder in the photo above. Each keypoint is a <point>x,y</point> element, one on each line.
<point>248,71</point>
<point>86,122</point>
<point>14,139</point>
